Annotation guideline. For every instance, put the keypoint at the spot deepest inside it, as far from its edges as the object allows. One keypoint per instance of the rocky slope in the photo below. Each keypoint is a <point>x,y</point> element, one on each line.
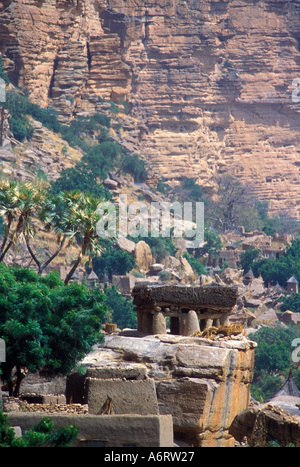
<point>210,84</point>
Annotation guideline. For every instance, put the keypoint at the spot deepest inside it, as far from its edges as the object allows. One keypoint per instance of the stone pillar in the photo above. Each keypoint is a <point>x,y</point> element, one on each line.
<point>205,323</point>
<point>216,322</point>
<point>182,321</point>
<point>147,320</point>
<point>191,324</point>
<point>224,319</point>
<point>159,323</point>
<point>139,315</point>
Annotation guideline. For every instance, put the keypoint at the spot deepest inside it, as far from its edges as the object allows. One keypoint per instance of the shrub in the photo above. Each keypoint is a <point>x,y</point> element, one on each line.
<point>123,313</point>
<point>132,164</point>
<point>18,129</point>
<point>194,263</point>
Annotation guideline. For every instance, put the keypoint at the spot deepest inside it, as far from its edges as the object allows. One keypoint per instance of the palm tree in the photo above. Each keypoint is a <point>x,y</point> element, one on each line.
<point>8,210</point>
<point>53,215</point>
<point>20,203</point>
<point>83,218</point>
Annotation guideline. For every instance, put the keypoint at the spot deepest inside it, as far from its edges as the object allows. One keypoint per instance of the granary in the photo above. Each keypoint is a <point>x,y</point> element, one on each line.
<point>292,285</point>
<point>248,277</point>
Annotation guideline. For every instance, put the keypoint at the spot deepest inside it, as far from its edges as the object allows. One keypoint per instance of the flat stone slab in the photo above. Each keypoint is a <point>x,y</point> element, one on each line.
<point>211,297</point>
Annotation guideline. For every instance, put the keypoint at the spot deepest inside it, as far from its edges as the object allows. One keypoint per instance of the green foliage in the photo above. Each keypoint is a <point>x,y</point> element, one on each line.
<point>18,129</point>
<point>41,435</point>
<point>272,358</point>
<point>113,261</point>
<point>163,187</point>
<point>265,386</point>
<point>19,125</point>
<point>132,164</point>
<point>46,324</point>
<point>92,123</point>
<point>280,269</point>
<point>212,246</point>
<point>291,302</point>
<point>194,263</point>
<point>164,275</point>
<point>194,190</point>
<point>81,177</point>
<point>248,257</point>
<point>102,158</point>
<point>122,309</point>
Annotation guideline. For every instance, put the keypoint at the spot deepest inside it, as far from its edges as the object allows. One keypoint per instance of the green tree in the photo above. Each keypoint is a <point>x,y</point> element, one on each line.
<point>280,269</point>
<point>194,191</point>
<point>273,357</point>
<point>46,324</point>
<point>113,261</point>
<point>20,203</point>
<point>134,165</point>
<point>41,435</point>
<point>248,257</point>
<point>291,302</point>
<point>122,309</point>
<point>3,74</point>
<point>81,177</point>
<point>194,263</point>
<point>212,244</point>
<point>82,221</point>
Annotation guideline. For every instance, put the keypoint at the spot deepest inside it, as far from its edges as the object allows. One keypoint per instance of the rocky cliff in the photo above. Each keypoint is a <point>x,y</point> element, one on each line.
<point>210,86</point>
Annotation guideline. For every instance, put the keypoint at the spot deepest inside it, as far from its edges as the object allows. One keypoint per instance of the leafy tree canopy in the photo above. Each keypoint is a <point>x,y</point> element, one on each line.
<point>273,358</point>
<point>46,324</point>
<point>113,261</point>
<point>122,309</point>
<point>41,435</point>
<point>282,268</point>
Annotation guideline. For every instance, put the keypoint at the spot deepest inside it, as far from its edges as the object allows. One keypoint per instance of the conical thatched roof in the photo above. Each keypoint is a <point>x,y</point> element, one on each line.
<point>289,388</point>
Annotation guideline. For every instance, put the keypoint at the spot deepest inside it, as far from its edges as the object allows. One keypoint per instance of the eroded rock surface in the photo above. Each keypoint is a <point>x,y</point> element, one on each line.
<point>202,383</point>
<point>209,86</point>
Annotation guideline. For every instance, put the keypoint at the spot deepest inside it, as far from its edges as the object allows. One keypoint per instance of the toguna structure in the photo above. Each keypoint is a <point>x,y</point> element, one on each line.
<point>190,309</point>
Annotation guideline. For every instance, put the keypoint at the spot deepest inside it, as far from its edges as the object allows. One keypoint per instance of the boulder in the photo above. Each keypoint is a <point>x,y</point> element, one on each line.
<point>171,262</point>
<point>186,267</point>
<point>143,255</point>
<point>126,245</point>
<point>264,424</point>
<point>156,268</point>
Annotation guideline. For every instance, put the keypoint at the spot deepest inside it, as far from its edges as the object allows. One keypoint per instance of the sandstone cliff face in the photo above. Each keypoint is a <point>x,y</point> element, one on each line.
<point>209,83</point>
